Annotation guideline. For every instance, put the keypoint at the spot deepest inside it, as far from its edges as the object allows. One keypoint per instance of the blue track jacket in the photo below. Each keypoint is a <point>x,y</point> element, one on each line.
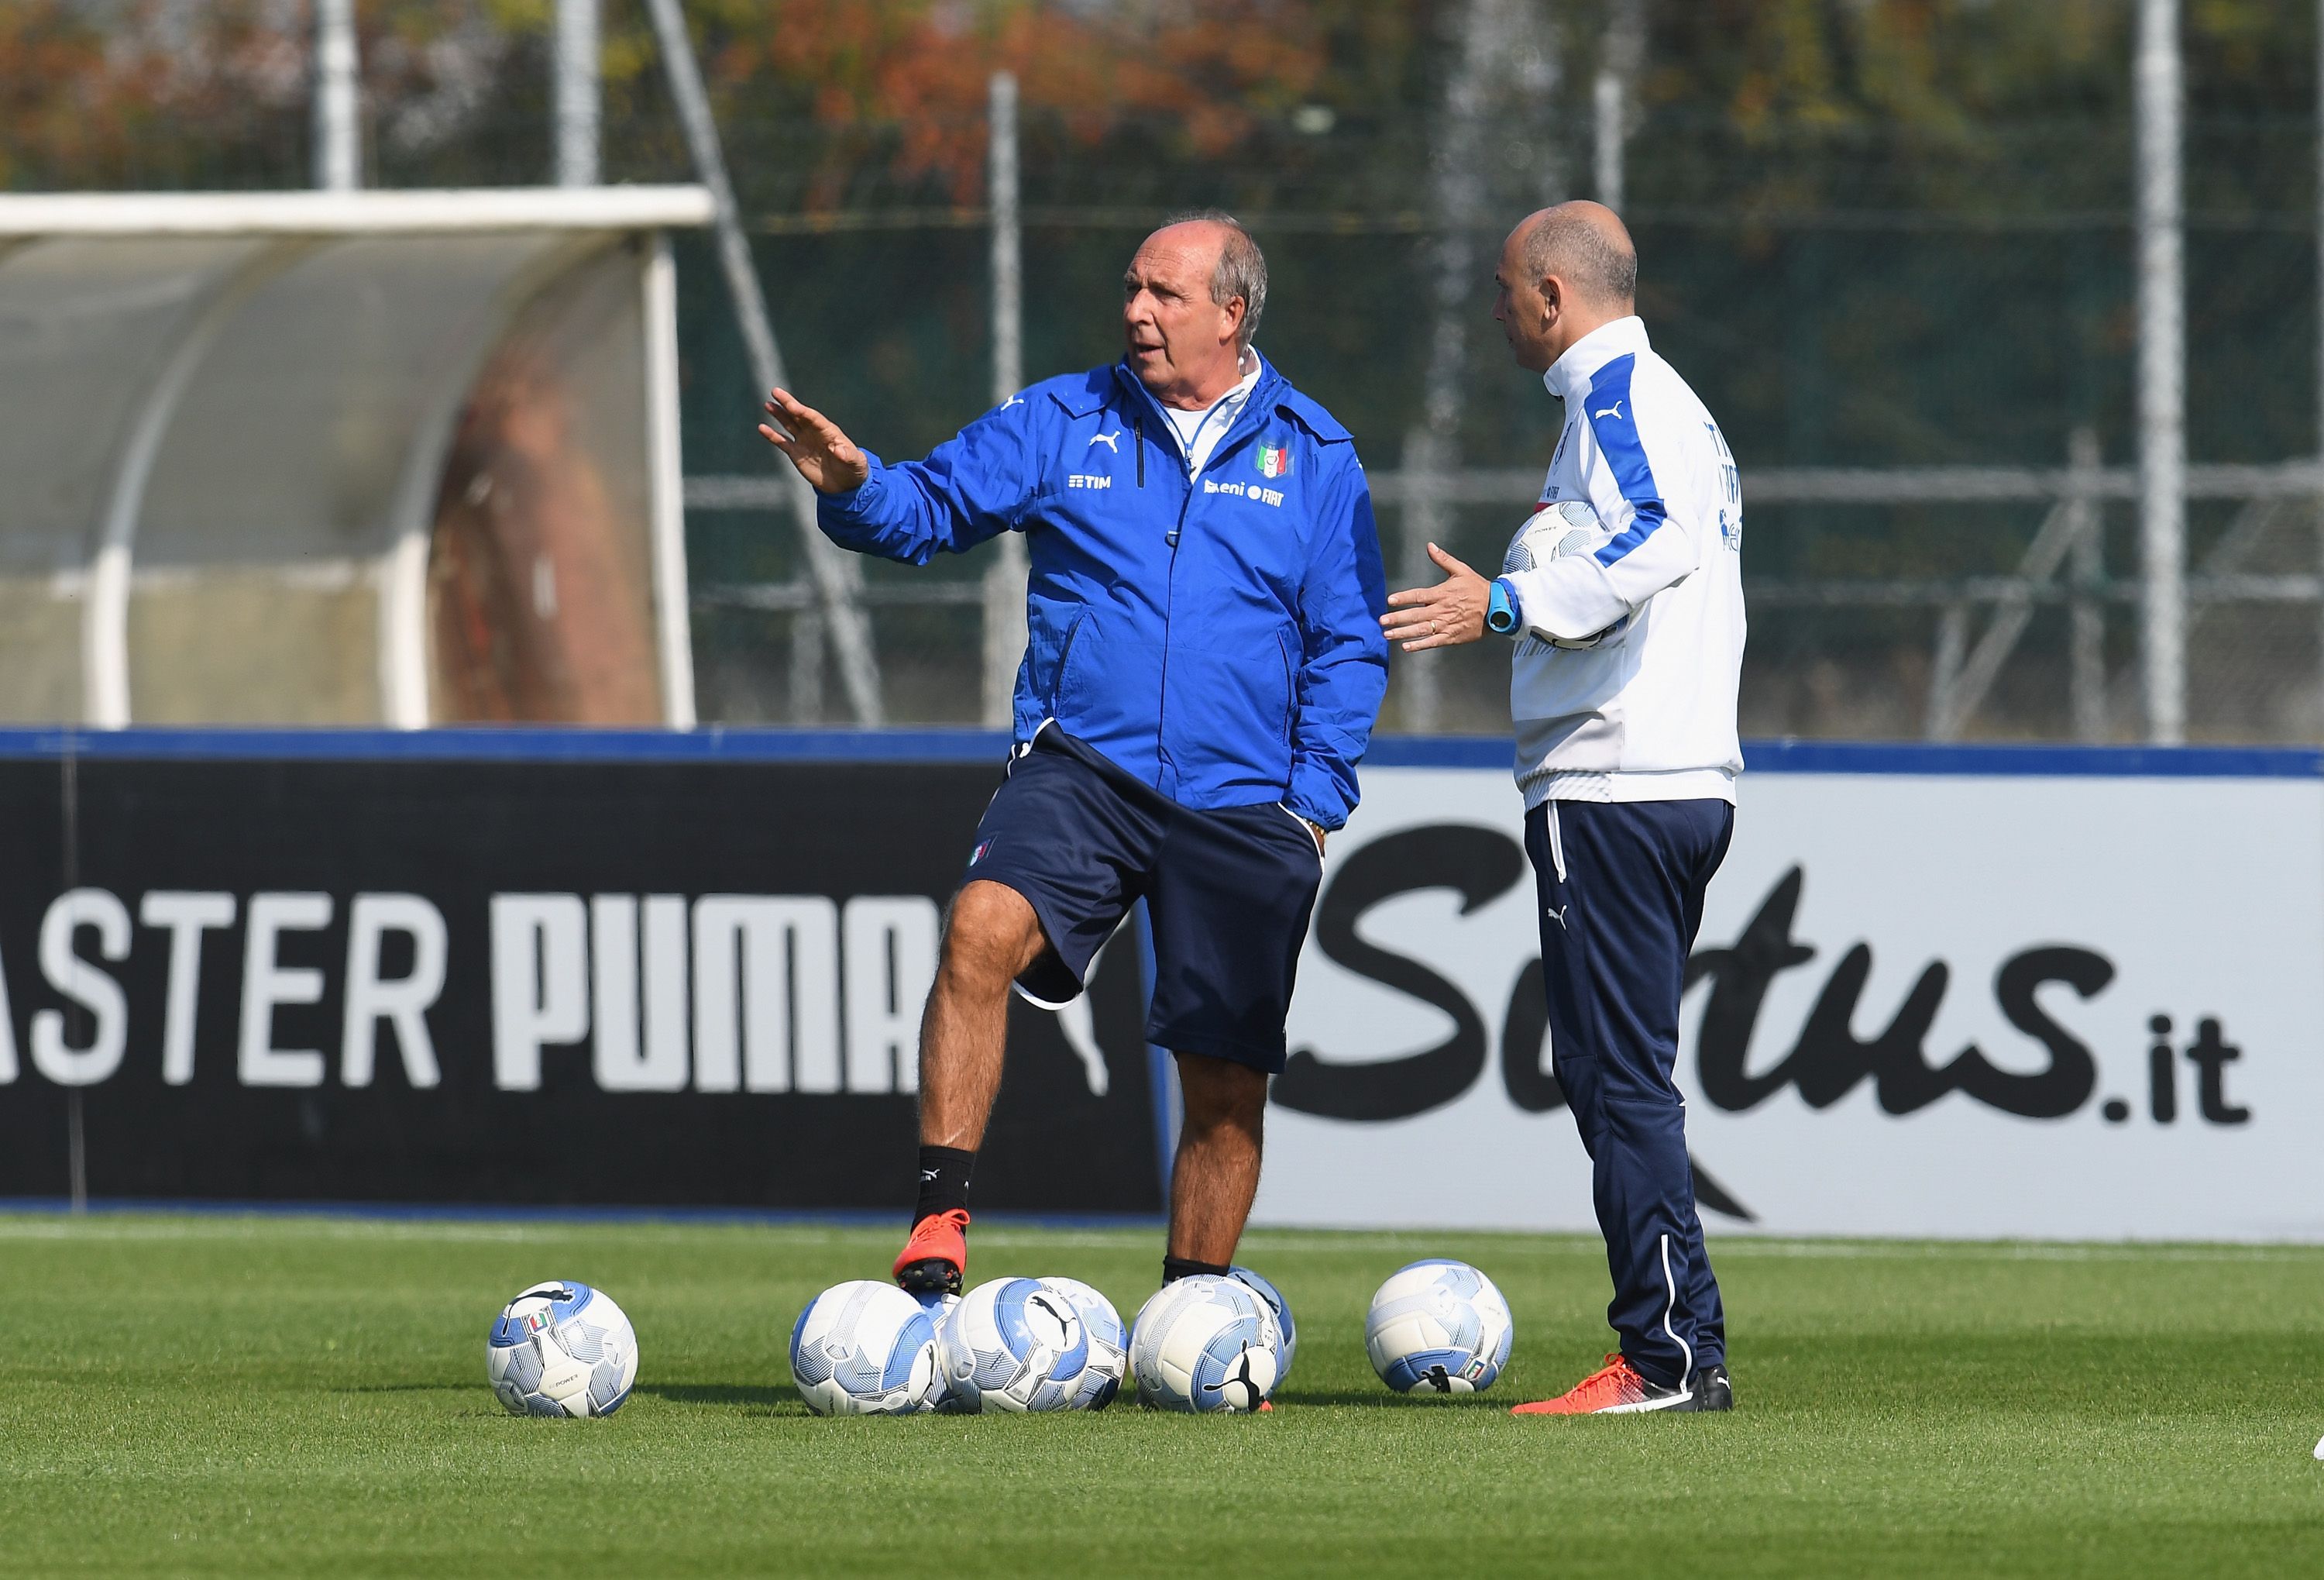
<point>1217,636</point>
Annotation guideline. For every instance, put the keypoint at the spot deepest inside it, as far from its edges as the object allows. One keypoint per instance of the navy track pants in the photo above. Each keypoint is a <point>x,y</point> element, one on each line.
<point>1621,887</point>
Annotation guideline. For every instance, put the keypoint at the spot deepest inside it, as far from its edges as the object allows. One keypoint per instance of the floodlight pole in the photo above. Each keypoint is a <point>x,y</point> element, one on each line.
<point>2162,373</point>
<point>579,93</point>
<point>1620,50</point>
<point>837,577</point>
<point>1004,579</point>
<point>338,129</point>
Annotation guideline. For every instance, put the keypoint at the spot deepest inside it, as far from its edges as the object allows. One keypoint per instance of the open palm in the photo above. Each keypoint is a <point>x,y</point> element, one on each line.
<point>826,457</point>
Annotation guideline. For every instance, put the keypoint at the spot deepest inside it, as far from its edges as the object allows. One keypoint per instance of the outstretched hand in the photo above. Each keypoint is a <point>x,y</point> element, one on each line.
<point>1448,614</point>
<point>826,457</point>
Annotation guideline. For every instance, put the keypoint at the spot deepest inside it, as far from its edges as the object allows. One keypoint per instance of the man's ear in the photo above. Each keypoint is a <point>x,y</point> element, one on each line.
<point>1552,297</point>
<point>1235,308</point>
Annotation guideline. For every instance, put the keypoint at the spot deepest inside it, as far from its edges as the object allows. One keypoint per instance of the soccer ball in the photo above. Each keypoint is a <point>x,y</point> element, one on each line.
<point>864,1348</point>
<point>1014,1345</point>
<point>1282,1309</point>
<point>1109,1344</point>
<point>561,1349</point>
<point>1206,1343</point>
<point>1566,526</point>
<point>1438,1327</point>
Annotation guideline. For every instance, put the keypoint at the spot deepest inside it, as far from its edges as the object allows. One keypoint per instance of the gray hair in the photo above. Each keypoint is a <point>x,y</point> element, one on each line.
<point>1595,258</point>
<point>1241,271</point>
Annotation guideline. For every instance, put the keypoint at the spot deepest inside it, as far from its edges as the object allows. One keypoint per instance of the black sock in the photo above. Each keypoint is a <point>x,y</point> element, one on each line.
<point>944,1181</point>
<point>1175,1268</point>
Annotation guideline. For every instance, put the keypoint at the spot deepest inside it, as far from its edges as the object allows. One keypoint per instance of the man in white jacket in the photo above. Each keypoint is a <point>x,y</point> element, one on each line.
<point>1628,645</point>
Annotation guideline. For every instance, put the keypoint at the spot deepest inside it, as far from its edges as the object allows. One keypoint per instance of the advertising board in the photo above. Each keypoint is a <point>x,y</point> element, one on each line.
<point>1939,993</point>
<point>535,977</point>
<point>1945,990</point>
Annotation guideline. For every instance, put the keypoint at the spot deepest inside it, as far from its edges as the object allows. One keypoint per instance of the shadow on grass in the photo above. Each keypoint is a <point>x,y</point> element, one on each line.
<point>1381,1398</point>
<point>757,1395</point>
<point>461,1387</point>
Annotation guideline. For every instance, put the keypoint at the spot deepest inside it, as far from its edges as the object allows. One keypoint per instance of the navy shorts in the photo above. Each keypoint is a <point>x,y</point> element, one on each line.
<point>1228,892</point>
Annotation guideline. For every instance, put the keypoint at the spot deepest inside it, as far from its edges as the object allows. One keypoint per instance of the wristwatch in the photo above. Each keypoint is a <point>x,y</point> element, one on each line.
<point>1502,609</point>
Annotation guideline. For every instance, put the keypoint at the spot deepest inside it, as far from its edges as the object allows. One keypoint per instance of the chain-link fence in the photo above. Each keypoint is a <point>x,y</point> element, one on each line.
<point>1918,335</point>
<point>1910,394</point>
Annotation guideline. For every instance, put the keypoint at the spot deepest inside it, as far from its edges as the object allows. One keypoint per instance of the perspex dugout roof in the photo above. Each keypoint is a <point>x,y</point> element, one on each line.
<point>342,458</point>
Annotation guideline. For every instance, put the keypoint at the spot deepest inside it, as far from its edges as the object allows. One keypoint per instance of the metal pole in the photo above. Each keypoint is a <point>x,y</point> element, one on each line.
<point>1620,50</point>
<point>1004,579</point>
<point>2087,652</point>
<point>338,128</point>
<point>665,471</point>
<point>2162,373</point>
<point>579,93</point>
<point>838,579</point>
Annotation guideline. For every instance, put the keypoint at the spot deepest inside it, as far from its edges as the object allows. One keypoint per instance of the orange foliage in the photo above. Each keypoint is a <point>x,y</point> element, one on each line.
<point>924,65</point>
<point>75,99</point>
<point>53,73</point>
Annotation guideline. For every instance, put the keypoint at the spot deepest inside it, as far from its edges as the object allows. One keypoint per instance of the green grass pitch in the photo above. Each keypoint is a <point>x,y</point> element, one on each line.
<point>292,1395</point>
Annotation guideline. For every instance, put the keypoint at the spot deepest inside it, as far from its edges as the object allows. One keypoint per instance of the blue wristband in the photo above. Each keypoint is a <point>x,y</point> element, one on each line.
<point>1502,609</point>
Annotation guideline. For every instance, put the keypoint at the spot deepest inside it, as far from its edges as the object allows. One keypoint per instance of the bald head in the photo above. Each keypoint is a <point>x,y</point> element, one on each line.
<point>1586,245</point>
<point>1564,271</point>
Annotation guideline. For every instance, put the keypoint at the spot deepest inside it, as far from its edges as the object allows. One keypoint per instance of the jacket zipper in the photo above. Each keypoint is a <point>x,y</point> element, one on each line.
<point>1169,614</point>
<point>1138,438</point>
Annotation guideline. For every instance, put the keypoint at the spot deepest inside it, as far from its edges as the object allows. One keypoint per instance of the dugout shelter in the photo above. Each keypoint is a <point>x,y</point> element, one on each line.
<point>343,458</point>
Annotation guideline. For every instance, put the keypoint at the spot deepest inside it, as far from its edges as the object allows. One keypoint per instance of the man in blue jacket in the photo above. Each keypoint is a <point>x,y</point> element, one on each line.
<point>1204,667</point>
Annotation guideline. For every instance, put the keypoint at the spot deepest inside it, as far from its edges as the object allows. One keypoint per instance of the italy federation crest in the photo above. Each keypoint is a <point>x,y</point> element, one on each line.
<point>1274,459</point>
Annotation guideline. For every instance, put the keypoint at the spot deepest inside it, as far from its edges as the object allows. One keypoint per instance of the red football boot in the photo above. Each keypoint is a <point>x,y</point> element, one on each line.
<point>936,1255</point>
<point>1614,1390</point>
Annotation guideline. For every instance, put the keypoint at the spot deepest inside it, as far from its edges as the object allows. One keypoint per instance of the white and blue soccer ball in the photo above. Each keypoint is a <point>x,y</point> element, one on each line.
<point>561,1349</point>
<point>1014,1345</point>
<point>1266,1291</point>
<point>1109,1344</point>
<point>1438,1327</point>
<point>1206,1343</point>
<point>1557,529</point>
<point>864,1348</point>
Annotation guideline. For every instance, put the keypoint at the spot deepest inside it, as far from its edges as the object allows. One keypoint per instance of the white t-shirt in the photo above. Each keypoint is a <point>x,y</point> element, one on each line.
<point>1198,431</point>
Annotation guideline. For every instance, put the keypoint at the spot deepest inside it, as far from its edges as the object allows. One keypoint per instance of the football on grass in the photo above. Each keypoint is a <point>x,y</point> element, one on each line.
<point>865,1348</point>
<point>562,1349</point>
<point>1438,1327</point>
<point>1206,1343</point>
<point>1014,1345</point>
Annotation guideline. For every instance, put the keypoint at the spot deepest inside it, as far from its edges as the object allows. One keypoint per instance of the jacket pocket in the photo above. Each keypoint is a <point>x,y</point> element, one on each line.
<point>1065,660</point>
<point>1228,721</point>
<point>1290,686</point>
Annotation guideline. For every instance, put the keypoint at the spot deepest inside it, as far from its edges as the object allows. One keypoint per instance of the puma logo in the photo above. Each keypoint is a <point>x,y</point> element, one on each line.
<point>1240,1389</point>
<point>1112,441</point>
<point>1614,411</point>
<point>1557,916</point>
<point>927,1177</point>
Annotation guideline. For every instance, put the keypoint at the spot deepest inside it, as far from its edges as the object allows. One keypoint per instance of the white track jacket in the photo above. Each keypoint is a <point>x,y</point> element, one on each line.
<point>1649,714</point>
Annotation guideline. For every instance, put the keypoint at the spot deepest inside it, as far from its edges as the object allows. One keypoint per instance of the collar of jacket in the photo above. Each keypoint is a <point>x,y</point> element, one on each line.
<point>1094,390</point>
<point>1573,371</point>
<point>1264,394</point>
